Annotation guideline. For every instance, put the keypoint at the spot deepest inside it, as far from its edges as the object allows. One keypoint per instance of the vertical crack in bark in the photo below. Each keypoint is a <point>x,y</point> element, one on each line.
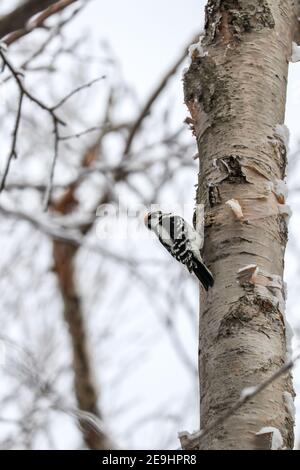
<point>236,93</point>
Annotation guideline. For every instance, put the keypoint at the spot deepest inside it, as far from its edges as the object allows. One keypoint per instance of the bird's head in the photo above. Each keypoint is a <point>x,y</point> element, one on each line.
<point>151,219</point>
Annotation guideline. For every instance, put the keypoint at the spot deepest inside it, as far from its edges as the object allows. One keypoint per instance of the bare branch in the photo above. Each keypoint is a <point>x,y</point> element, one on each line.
<point>152,98</point>
<point>53,8</point>
<point>18,18</point>
<point>25,91</point>
<point>53,34</point>
<point>57,121</point>
<point>73,236</point>
<point>13,150</point>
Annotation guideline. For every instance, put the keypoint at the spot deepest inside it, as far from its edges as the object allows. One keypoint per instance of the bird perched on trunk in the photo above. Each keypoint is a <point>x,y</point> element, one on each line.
<point>181,241</point>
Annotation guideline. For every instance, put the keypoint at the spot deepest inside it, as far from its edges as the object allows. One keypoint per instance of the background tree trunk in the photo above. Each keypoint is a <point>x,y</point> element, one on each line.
<point>64,255</point>
<point>235,90</point>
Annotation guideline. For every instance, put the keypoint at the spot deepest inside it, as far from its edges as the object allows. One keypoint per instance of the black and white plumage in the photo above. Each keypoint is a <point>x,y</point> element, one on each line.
<point>181,241</point>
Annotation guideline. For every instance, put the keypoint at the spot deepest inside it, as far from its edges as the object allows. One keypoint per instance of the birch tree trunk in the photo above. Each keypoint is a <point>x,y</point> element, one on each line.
<point>235,90</point>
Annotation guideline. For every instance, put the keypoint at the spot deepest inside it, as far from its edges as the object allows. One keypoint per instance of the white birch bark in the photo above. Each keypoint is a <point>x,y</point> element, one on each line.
<point>235,89</point>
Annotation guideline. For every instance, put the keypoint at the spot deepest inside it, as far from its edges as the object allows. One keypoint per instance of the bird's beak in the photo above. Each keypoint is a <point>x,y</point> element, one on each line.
<point>146,217</point>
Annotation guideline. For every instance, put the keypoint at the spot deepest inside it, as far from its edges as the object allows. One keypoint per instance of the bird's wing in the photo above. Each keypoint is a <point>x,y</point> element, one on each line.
<point>182,229</point>
<point>179,244</point>
<point>196,241</point>
<point>184,243</point>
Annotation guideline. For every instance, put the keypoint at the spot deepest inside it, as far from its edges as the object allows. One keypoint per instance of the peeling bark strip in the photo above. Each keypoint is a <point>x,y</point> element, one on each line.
<point>235,90</point>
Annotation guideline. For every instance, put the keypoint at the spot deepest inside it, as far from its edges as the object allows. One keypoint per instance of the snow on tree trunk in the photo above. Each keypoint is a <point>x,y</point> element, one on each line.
<point>235,90</point>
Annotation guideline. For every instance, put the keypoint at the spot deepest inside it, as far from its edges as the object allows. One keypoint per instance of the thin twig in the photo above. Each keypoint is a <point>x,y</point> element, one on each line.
<point>77,90</point>
<point>81,133</point>
<point>13,150</point>
<point>105,128</point>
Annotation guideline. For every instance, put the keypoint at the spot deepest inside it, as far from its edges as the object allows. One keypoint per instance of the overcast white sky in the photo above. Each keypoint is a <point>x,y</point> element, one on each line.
<point>147,36</point>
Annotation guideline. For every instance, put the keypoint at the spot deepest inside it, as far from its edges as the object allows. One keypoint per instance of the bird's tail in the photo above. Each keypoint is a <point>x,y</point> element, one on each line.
<point>203,274</point>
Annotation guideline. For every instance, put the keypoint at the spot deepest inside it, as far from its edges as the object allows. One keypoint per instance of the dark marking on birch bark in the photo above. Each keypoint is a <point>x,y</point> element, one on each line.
<point>228,20</point>
<point>203,86</point>
<point>280,152</point>
<point>235,174</point>
<point>214,195</point>
<point>267,316</point>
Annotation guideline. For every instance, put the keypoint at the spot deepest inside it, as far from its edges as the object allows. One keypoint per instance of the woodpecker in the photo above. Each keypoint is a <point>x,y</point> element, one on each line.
<point>181,241</point>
